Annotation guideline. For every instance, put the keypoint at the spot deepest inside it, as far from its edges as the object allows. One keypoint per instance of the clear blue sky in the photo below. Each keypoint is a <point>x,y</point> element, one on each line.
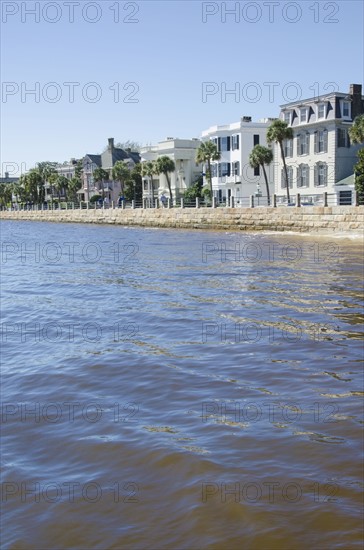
<point>168,52</point>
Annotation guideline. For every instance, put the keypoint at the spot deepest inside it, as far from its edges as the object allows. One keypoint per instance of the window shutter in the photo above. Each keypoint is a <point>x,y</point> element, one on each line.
<point>219,144</point>
<point>316,174</point>
<point>348,144</point>
<point>283,179</point>
<point>307,176</point>
<point>237,167</point>
<point>238,137</point>
<point>325,141</point>
<point>298,144</point>
<point>316,142</point>
<point>299,176</point>
<point>308,143</point>
<point>325,174</point>
<point>228,166</point>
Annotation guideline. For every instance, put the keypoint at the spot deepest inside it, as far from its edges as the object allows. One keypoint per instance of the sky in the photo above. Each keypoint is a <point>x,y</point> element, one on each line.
<point>75,73</point>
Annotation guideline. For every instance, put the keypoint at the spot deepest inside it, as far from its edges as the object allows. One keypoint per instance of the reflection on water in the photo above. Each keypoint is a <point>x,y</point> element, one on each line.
<point>175,389</point>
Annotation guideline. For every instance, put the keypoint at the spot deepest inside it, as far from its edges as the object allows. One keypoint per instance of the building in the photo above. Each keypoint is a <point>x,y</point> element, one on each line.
<point>232,174</point>
<point>320,156</point>
<point>8,179</point>
<point>183,153</point>
<point>68,170</point>
<point>107,160</point>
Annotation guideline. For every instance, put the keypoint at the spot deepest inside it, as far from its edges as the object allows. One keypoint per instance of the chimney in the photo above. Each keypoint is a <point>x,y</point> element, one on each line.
<point>357,105</point>
<point>111,144</point>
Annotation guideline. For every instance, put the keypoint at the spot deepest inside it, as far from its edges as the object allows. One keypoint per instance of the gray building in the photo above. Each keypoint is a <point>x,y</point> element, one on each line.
<point>107,161</point>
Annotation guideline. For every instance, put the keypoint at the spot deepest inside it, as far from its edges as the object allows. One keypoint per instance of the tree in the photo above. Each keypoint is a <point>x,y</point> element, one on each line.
<point>148,169</point>
<point>33,183</point>
<point>261,156</point>
<point>100,176</point>
<point>206,153</point>
<point>195,191</point>
<point>133,145</point>
<point>45,170</point>
<point>356,132</point>
<point>359,177</point>
<point>60,184</point>
<point>121,173</point>
<point>5,193</point>
<point>134,185</point>
<point>277,132</point>
<point>74,185</point>
<point>165,165</point>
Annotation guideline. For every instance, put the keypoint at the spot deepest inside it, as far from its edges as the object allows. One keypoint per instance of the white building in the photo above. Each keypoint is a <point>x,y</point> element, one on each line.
<point>183,153</point>
<point>232,174</point>
<point>320,156</point>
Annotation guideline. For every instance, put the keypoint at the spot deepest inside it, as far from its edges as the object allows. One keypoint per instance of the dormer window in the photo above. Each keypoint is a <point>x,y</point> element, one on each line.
<point>303,115</point>
<point>287,117</point>
<point>321,110</point>
<point>346,109</point>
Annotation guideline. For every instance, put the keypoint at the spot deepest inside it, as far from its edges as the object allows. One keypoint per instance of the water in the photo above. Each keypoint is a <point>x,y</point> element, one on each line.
<point>176,389</point>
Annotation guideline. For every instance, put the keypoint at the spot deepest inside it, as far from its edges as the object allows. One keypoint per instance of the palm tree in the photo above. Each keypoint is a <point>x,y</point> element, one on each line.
<point>61,183</point>
<point>259,157</point>
<point>165,165</point>
<point>356,132</point>
<point>46,170</point>
<point>33,183</point>
<point>74,185</point>
<point>5,193</point>
<point>100,176</point>
<point>149,169</point>
<point>277,132</point>
<point>206,153</point>
<point>121,173</point>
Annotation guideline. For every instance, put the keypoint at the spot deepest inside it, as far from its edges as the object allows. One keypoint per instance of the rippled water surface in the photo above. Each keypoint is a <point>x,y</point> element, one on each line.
<point>177,389</point>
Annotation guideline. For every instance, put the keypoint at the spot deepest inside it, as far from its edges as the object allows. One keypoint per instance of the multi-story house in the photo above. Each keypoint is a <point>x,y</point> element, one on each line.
<point>183,153</point>
<point>320,157</point>
<point>232,174</point>
<point>110,189</point>
<point>68,170</point>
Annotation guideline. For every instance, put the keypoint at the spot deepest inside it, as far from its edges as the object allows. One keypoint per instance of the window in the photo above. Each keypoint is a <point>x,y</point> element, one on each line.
<point>236,168</point>
<point>321,110</point>
<point>303,115</point>
<point>257,171</point>
<point>343,139</point>
<point>321,174</point>
<point>225,143</point>
<point>346,109</point>
<point>235,142</point>
<point>345,197</point>
<point>288,147</point>
<point>321,141</point>
<point>213,170</point>
<point>287,117</point>
<point>303,173</point>
<point>303,144</point>
<point>224,169</point>
<point>290,177</point>
<point>256,139</point>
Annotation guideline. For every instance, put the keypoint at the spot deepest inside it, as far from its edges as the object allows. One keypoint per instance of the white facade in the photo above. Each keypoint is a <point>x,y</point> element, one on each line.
<point>183,153</point>
<point>232,174</point>
<point>320,154</point>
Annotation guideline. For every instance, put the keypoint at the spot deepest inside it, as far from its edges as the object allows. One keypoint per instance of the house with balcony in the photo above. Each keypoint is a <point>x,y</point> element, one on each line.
<point>320,157</point>
<point>232,175</point>
<point>183,153</point>
<point>110,189</point>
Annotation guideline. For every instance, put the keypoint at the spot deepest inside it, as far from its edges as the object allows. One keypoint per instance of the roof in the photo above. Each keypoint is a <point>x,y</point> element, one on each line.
<point>350,180</point>
<point>96,159</point>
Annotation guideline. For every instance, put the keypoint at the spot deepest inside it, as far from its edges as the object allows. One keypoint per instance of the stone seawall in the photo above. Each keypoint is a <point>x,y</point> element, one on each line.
<point>345,219</point>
